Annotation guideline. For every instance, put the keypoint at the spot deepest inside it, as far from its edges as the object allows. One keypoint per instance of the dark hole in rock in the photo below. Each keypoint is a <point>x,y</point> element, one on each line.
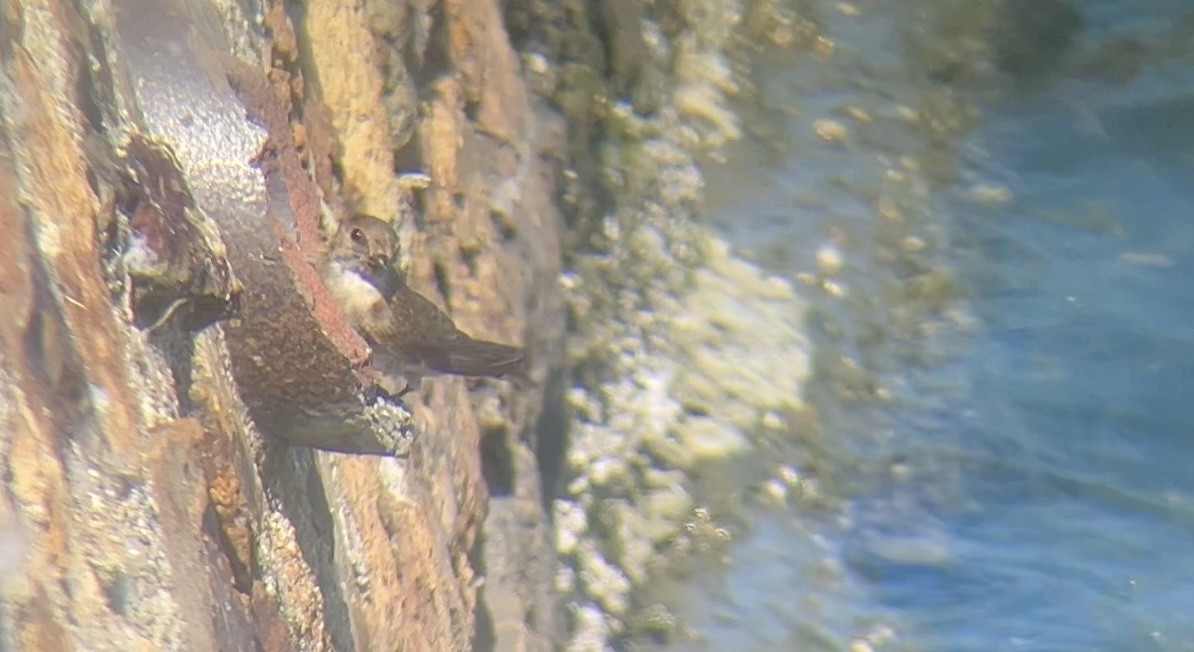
<point>505,226</point>
<point>116,593</point>
<point>242,578</point>
<point>551,436</point>
<point>471,110</point>
<point>441,280</point>
<point>469,255</point>
<point>437,60</point>
<point>497,462</point>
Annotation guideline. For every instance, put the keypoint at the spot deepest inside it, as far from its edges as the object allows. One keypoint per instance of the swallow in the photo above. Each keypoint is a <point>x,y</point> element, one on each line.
<point>410,336</point>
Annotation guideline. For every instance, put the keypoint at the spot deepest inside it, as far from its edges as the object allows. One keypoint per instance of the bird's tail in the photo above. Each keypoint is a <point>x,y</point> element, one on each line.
<point>480,358</point>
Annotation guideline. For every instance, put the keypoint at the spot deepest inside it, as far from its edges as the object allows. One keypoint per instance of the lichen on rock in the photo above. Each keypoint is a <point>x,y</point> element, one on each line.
<point>679,349</point>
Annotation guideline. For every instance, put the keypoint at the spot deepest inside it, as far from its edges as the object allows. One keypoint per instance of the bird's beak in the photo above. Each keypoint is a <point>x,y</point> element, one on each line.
<point>377,262</point>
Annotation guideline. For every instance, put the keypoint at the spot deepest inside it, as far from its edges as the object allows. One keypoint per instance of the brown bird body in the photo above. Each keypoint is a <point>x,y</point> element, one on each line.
<point>411,337</point>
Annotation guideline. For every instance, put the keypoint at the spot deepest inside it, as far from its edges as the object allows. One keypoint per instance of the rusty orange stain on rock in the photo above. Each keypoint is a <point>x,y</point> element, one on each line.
<point>59,194</point>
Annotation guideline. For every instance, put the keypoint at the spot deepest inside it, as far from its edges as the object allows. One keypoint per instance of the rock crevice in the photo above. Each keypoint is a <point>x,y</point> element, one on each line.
<point>167,353</point>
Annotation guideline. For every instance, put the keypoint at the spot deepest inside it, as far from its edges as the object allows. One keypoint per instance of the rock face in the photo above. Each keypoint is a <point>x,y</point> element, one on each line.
<point>685,358</point>
<point>168,355</point>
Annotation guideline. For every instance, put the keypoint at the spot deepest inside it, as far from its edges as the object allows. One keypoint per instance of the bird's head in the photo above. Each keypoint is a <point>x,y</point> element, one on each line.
<point>366,245</point>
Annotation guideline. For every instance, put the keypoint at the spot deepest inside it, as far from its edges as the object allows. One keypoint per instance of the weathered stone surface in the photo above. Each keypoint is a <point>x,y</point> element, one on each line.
<point>664,393</point>
<point>164,169</point>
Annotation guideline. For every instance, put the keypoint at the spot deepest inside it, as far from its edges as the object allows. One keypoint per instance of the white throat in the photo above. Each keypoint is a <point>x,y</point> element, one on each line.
<point>355,296</point>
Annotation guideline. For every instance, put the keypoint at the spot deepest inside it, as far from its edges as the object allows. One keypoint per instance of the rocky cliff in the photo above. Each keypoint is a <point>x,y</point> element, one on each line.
<point>173,378</point>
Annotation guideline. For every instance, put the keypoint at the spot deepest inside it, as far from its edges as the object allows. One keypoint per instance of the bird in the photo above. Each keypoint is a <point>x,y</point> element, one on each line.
<point>410,336</point>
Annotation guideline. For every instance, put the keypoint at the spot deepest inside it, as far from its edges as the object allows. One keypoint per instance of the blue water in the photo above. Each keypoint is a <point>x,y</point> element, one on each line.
<point>1078,457</point>
<point>1046,494</point>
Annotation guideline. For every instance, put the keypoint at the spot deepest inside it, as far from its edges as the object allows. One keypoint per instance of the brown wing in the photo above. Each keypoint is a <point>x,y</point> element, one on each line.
<point>426,323</point>
<point>415,330</point>
<point>381,327</point>
<point>409,322</point>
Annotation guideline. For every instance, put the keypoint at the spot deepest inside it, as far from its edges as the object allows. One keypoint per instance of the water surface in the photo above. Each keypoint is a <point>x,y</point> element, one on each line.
<point>1022,477</point>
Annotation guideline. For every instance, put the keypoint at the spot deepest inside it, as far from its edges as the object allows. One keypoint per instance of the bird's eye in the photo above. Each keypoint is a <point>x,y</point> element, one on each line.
<point>357,235</point>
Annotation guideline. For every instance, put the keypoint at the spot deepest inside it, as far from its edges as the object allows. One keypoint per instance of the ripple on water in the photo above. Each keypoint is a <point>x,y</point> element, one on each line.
<point>1004,352</point>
